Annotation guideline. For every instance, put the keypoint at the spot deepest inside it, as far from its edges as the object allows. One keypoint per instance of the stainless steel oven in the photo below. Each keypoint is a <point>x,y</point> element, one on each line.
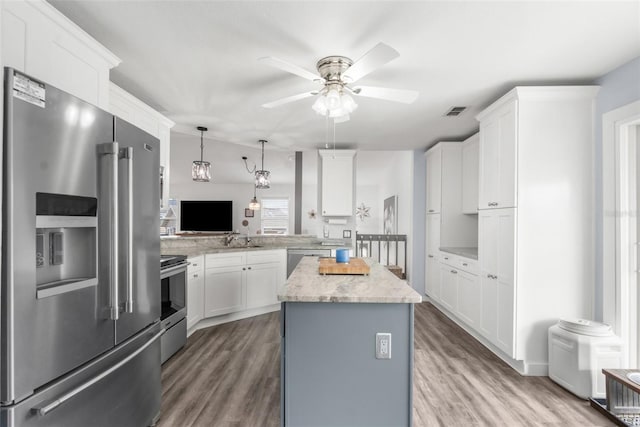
<point>173,290</point>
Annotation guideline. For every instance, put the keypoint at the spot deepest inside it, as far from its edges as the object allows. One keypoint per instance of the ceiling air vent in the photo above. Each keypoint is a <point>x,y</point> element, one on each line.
<point>455,111</point>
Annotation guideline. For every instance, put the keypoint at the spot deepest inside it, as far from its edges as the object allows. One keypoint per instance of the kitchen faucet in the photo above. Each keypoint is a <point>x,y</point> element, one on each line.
<point>233,235</point>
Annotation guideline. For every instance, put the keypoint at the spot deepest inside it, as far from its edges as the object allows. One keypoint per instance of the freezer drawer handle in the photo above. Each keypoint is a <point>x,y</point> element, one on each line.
<point>43,409</point>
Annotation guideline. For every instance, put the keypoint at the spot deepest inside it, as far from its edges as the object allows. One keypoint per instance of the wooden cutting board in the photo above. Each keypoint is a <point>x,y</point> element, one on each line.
<point>354,266</point>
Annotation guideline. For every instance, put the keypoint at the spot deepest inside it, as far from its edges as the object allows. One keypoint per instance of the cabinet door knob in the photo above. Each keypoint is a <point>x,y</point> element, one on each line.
<point>195,275</point>
<point>243,269</point>
<point>454,272</point>
<point>194,264</point>
<point>489,276</point>
<point>248,268</point>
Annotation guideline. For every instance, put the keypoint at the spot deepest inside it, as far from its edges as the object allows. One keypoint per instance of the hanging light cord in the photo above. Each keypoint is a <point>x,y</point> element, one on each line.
<point>246,165</point>
<point>201,145</point>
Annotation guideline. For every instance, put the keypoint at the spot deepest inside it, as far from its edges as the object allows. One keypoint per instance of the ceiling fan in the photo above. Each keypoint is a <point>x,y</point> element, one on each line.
<point>337,74</point>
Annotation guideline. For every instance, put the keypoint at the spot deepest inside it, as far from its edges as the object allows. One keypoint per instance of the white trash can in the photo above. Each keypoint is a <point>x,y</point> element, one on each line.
<point>578,351</point>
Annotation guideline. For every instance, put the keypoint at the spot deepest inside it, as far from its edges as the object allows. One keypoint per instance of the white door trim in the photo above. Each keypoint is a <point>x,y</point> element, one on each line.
<point>617,170</point>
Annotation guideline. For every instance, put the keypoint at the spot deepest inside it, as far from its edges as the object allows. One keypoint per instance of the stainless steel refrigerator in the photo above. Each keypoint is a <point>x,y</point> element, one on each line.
<point>80,254</point>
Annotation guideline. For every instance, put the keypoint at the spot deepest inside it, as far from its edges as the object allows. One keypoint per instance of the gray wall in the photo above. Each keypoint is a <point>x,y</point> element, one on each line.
<point>419,212</point>
<point>617,88</point>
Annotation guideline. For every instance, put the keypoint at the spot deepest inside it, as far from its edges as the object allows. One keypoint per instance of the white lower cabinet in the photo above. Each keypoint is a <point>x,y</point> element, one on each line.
<point>460,290</point>
<point>195,290</point>
<point>448,287</point>
<point>262,284</point>
<point>224,290</point>
<point>497,251</point>
<point>237,281</point>
<point>489,318</point>
<point>433,278</point>
<point>469,298</point>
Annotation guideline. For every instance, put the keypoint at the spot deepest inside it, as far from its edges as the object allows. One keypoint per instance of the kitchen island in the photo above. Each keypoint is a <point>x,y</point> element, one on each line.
<point>331,373</point>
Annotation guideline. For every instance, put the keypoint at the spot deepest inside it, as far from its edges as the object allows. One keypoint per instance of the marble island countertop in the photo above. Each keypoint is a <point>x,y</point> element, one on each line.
<point>381,286</point>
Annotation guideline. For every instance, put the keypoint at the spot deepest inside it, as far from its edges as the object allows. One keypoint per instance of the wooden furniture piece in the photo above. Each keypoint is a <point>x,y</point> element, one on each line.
<point>623,397</point>
<point>390,250</point>
<point>354,266</point>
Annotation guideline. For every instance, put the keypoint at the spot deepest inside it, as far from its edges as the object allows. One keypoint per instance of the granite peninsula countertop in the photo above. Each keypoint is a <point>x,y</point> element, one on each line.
<point>195,246</point>
<point>381,286</point>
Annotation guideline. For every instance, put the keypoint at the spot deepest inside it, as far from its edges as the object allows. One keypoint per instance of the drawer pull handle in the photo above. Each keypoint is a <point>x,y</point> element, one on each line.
<point>195,275</point>
<point>454,272</point>
<point>446,257</point>
<point>430,256</point>
<point>464,264</point>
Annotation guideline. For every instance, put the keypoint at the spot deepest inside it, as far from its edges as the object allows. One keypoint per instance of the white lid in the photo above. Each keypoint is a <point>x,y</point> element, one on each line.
<point>586,327</point>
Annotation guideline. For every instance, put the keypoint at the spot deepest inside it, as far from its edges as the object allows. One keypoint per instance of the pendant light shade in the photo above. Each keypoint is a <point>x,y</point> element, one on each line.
<point>262,175</point>
<point>254,205</point>
<point>201,170</point>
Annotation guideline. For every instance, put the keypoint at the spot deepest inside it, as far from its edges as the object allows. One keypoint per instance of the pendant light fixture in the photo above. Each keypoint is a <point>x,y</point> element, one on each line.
<point>262,175</point>
<point>201,170</point>
<point>254,205</point>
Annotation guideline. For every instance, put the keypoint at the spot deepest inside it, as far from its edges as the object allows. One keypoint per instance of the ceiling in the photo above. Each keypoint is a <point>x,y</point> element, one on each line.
<point>197,61</point>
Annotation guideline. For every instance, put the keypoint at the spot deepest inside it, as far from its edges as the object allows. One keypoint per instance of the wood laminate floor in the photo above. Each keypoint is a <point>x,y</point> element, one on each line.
<point>229,375</point>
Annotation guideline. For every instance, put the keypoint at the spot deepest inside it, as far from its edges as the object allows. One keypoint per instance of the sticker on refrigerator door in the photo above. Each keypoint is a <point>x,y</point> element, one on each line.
<point>29,90</point>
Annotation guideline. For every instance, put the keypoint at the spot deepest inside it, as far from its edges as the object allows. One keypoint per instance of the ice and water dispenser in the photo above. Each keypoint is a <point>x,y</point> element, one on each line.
<point>66,245</point>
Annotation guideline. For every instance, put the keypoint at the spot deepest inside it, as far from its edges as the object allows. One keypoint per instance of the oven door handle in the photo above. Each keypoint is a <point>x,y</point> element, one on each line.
<point>127,154</point>
<point>166,272</point>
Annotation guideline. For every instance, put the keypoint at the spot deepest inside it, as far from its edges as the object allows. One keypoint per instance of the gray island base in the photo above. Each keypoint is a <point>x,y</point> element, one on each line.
<point>330,373</point>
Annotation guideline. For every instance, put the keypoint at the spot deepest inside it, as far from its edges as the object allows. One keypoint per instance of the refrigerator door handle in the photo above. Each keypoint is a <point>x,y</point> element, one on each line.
<point>110,151</point>
<point>127,154</point>
<point>46,407</point>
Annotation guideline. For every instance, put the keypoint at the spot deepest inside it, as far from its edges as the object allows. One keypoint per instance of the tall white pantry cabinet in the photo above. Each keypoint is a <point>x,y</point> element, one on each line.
<point>536,236</point>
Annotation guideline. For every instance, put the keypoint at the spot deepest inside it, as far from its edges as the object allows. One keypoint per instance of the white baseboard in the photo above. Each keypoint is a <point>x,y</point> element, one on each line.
<point>524,368</point>
<point>232,317</point>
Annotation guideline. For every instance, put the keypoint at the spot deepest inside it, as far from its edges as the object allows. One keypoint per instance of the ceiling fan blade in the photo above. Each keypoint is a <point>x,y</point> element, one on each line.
<point>288,99</point>
<point>397,95</point>
<point>379,55</point>
<point>290,68</point>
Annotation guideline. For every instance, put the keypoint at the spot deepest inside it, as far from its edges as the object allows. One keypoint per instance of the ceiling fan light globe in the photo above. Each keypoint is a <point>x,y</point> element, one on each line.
<point>348,104</point>
<point>320,106</point>
<point>333,99</point>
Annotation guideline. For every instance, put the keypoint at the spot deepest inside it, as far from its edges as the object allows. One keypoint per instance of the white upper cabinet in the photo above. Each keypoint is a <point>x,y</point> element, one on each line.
<point>470,175</point>
<point>337,183</point>
<point>498,151</point>
<point>434,179</point>
<point>40,41</point>
<point>136,112</point>
<point>444,195</point>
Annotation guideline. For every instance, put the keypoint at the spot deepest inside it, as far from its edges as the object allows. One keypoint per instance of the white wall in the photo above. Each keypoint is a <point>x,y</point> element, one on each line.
<point>618,87</point>
<point>230,179</point>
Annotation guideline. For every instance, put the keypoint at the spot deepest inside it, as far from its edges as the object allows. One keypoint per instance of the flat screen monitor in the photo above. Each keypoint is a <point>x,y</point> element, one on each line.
<point>206,215</point>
